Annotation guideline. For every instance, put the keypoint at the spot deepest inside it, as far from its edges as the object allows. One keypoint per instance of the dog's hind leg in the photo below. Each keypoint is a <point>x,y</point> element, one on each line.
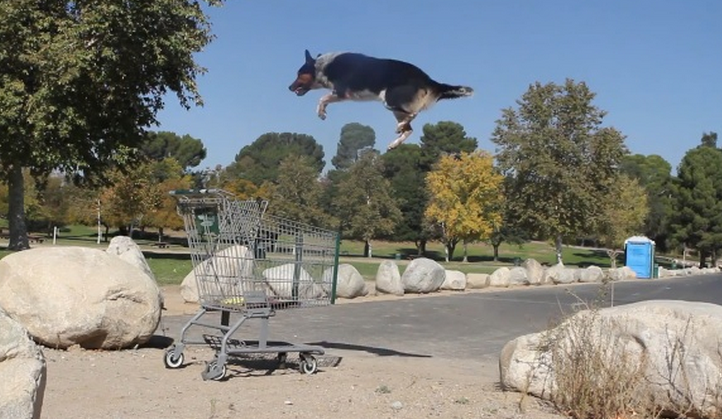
<point>324,101</point>
<point>403,127</point>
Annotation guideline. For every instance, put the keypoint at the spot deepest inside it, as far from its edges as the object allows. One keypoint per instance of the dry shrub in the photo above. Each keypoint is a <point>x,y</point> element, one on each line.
<point>596,372</point>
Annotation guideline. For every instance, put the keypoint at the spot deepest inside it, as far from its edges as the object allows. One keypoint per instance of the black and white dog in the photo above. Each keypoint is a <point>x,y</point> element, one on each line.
<point>403,88</point>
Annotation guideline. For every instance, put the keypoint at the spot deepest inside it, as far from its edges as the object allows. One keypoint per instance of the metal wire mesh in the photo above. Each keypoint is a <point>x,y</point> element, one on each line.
<point>236,248</point>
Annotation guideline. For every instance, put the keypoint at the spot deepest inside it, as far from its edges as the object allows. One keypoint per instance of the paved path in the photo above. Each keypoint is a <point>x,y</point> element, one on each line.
<point>464,326</point>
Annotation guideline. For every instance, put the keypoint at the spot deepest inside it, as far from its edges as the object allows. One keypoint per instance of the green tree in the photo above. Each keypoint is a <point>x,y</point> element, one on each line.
<point>445,137</point>
<point>164,176</point>
<point>625,210</point>
<point>465,198</point>
<point>189,152</point>
<point>366,207</point>
<point>260,160</point>
<point>406,168</point>
<point>697,217</point>
<point>80,80</point>
<point>558,160</point>
<point>655,175</point>
<point>297,195</point>
<point>402,167</point>
<point>355,140</point>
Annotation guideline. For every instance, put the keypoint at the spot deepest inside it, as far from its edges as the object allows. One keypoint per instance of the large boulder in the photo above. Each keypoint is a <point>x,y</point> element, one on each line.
<point>125,248</point>
<point>620,274</point>
<point>66,296</point>
<point>591,274</point>
<point>388,279</point>
<point>223,273</point>
<point>558,274</point>
<point>423,276</point>
<point>455,281</point>
<point>671,347</point>
<point>477,280</point>
<point>500,277</point>
<point>534,271</point>
<point>350,283</point>
<point>23,372</point>
<point>518,276</point>
<point>281,283</point>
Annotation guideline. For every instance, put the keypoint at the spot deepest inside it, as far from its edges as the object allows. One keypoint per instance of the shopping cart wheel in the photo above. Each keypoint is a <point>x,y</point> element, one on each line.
<point>172,361</point>
<point>214,371</point>
<point>308,364</point>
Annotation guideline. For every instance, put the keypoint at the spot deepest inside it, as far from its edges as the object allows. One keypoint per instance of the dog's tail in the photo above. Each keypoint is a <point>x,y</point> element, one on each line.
<point>447,91</point>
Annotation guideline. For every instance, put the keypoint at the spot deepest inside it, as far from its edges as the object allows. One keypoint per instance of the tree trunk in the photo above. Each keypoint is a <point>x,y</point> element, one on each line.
<point>16,210</point>
<point>451,246</point>
<point>160,234</point>
<point>367,248</point>
<point>496,251</point>
<point>446,252</point>
<point>559,249</point>
<point>466,259</point>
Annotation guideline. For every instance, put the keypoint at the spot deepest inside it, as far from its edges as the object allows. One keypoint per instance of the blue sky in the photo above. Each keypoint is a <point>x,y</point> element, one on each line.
<point>656,66</point>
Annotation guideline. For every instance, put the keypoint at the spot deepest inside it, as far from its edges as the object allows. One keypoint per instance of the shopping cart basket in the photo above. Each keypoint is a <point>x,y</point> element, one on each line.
<point>250,263</point>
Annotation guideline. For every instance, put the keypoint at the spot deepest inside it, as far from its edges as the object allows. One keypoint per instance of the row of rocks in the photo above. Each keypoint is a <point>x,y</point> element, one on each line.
<point>531,272</point>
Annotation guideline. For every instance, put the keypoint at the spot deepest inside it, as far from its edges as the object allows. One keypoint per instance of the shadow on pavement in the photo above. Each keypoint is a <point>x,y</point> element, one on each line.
<point>369,349</point>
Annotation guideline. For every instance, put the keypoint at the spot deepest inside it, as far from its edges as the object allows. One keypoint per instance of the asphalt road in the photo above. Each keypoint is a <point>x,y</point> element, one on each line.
<point>464,326</point>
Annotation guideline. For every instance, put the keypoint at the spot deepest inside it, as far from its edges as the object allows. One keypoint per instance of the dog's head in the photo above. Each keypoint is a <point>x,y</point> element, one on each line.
<point>306,78</point>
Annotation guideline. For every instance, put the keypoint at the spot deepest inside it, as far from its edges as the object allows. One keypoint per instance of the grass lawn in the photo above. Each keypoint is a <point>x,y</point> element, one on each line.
<point>170,267</point>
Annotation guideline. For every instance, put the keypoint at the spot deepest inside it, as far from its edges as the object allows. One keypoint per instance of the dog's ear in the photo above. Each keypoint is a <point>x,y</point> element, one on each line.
<point>309,58</point>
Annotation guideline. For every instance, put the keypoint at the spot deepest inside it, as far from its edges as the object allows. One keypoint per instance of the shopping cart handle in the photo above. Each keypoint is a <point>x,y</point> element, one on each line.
<point>195,191</point>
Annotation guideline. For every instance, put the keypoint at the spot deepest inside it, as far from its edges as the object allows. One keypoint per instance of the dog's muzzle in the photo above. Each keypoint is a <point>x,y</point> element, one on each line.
<point>298,90</point>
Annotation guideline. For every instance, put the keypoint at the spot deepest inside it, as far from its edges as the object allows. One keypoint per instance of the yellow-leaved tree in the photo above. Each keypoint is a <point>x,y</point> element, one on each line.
<point>465,196</point>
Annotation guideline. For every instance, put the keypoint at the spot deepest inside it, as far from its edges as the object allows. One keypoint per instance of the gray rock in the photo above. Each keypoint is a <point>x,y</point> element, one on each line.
<point>222,274</point>
<point>591,274</point>
<point>125,248</point>
<point>558,274</point>
<point>23,372</point>
<point>518,276</point>
<point>500,278</point>
<point>620,274</point>
<point>77,295</point>
<point>388,279</point>
<point>281,283</point>
<point>455,281</point>
<point>350,282</point>
<point>423,276</point>
<point>534,271</point>
<point>674,343</point>
<point>477,280</point>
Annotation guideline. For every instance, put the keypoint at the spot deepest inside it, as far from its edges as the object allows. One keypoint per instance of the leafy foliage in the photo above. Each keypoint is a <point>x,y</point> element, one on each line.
<point>465,198</point>
<point>297,195</point>
<point>654,174</point>
<point>187,151</point>
<point>697,216</point>
<point>259,161</point>
<point>445,137</point>
<point>558,160</point>
<point>355,140</point>
<point>365,207</point>
<point>625,210</point>
<point>81,80</point>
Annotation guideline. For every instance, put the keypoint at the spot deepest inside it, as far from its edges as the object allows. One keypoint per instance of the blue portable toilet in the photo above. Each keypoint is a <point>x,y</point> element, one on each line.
<point>639,256</point>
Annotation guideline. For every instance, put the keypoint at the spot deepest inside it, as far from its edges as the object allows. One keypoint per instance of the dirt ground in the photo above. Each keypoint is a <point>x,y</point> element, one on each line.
<point>134,383</point>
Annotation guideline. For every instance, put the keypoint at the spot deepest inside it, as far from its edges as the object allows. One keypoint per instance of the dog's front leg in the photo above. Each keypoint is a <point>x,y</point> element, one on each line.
<point>324,101</point>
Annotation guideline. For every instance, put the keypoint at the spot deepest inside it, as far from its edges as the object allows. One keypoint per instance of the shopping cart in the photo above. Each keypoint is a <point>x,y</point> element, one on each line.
<point>251,264</point>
